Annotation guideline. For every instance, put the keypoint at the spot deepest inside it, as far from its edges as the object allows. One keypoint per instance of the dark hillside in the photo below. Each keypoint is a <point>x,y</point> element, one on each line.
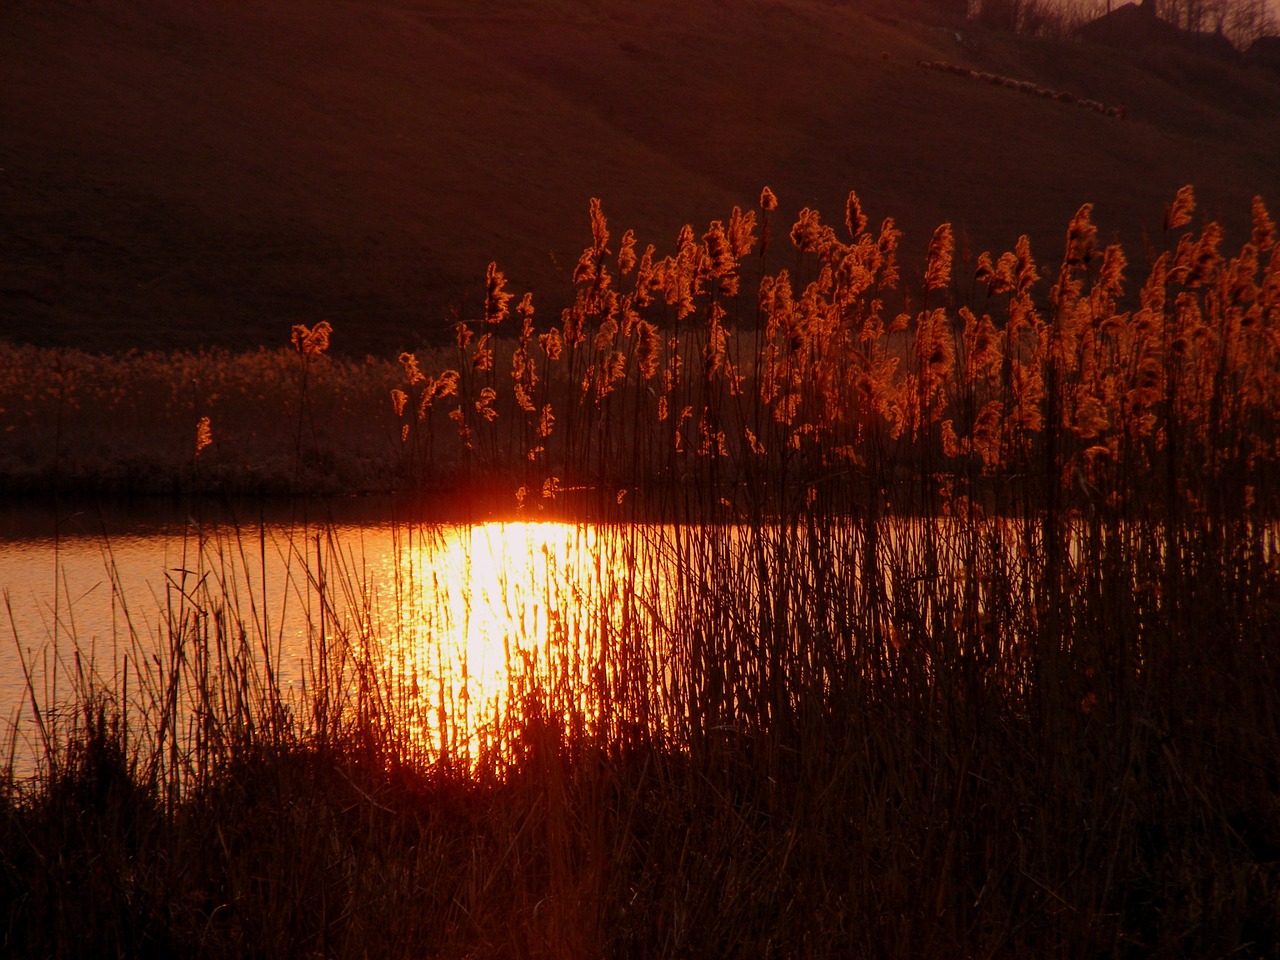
<point>176,174</point>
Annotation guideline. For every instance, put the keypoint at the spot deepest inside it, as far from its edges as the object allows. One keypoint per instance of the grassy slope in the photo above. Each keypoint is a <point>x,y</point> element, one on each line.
<point>176,174</point>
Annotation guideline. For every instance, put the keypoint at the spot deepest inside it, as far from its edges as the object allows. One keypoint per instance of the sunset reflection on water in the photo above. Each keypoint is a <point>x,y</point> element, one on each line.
<point>453,642</point>
<point>440,626</point>
<point>488,610</point>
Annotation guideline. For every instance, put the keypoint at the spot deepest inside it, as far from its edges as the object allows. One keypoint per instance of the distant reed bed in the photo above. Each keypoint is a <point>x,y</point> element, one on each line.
<point>91,424</point>
<point>951,632</point>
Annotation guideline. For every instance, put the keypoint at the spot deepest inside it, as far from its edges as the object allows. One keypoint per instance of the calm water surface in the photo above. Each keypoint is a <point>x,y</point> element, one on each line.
<point>440,622</point>
<point>447,611</point>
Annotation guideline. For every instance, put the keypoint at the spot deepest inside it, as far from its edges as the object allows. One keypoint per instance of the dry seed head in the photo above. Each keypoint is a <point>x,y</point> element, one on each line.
<point>1206,261</point>
<point>951,446</point>
<point>986,434</point>
<point>713,353</point>
<point>648,349</point>
<point>935,347</point>
<point>937,272</point>
<point>446,384</point>
<point>1025,274</point>
<point>204,434</point>
<point>981,345</point>
<point>1179,213</point>
<point>586,266</point>
<point>524,309</point>
<point>629,317</point>
<point>460,419</point>
<point>599,227</point>
<point>806,233</point>
<point>1081,236</point>
<point>546,423</point>
<point>398,400</point>
<point>484,406</point>
<point>1264,230</point>
<point>985,271</point>
<point>606,335</point>
<point>786,409</point>
<point>742,235</point>
<point>645,277</point>
<point>524,398</point>
<point>720,259</point>
<point>1244,269</point>
<point>1028,393</point>
<point>612,369</point>
<point>483,357</point>
<point>1111,277</point>
<point>854,219</point>
<point>627,253</point>
<point>551,344</point>
<point>411,372</point>
<point>311,341</point>
<point>495,297</point>
<point>768,202</point>
<point>887,250</point>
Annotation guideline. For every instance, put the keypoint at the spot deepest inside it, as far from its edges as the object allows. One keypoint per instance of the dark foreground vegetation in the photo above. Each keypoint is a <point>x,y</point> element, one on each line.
<point>963,643</point>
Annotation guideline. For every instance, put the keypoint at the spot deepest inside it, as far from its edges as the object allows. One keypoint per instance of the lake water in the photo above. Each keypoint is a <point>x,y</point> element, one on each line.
<point>447,614</point>
<point>442,630</point>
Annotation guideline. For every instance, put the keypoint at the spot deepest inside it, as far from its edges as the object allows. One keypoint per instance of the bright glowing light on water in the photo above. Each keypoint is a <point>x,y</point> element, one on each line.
<point>454,642</point>
<point>451,630</point>
<point>489,610</point>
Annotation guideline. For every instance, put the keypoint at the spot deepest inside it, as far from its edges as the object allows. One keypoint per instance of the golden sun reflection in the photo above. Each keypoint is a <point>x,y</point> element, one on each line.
<point>489,614</point>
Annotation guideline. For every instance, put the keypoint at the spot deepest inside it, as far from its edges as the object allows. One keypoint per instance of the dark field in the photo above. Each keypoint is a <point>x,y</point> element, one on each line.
<point>176,175</point>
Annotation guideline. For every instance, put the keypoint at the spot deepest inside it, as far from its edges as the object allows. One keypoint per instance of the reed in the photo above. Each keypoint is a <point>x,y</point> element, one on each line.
<point>952,634</point>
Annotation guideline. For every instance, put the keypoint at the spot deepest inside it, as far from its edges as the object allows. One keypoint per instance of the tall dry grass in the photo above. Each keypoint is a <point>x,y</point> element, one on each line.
<point>956,636</point>
<point>88,424</point>
<point>980,385</point>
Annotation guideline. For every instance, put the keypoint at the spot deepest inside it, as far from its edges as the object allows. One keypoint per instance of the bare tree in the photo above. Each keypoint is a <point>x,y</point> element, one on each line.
<point>1240,21</point>
<point>1048,18</point>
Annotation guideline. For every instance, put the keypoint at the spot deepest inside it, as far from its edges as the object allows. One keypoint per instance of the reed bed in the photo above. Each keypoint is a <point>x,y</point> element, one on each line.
<point>87,424</point>
<point>950,632</point>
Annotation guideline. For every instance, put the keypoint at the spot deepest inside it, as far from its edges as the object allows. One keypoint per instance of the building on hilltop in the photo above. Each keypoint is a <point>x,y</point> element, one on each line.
<point>1265,51</point>
<point>1136,26</point>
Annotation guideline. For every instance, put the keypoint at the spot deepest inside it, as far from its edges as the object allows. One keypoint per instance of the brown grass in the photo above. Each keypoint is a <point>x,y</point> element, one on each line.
<point>962,645</point>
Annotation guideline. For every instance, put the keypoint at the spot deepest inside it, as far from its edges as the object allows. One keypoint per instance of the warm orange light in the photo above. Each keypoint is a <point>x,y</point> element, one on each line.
<point>491,611</point>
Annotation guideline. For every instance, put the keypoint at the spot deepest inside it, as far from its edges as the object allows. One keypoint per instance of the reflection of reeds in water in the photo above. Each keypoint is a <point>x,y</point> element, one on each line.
<point>957,637</point>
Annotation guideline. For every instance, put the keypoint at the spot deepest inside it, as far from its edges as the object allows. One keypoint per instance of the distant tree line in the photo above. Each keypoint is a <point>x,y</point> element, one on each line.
<point>1240,21</point>
<point>1053,18</point>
